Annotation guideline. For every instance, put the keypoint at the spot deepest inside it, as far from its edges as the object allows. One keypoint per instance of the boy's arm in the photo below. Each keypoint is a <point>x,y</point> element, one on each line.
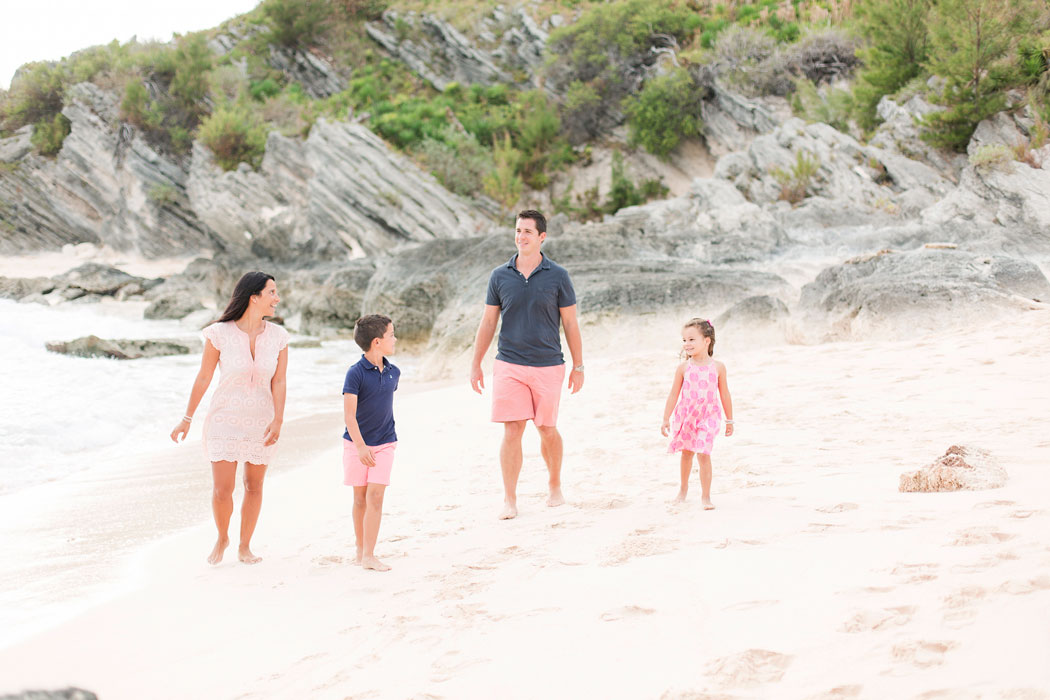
<point>727,400</point>
<point>364,452</point>
<point>672,398</point>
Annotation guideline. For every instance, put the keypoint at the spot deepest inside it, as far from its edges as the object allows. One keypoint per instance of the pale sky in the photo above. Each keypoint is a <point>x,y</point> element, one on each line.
<point>47,30</point>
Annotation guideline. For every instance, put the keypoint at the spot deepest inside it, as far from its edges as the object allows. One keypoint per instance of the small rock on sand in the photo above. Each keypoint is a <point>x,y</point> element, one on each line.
<point>961,467</point>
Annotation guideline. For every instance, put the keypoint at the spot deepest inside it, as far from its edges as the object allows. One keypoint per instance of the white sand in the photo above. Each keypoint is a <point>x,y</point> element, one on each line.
<point>51,263</point>
<point>814,578</point>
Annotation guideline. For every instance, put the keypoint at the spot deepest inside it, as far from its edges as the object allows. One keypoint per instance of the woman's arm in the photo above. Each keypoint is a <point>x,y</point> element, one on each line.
<point>279,389</point>
<point>727,400</point>
<point>672,398</point>
<point>364,452</point>
<point>209,360</point>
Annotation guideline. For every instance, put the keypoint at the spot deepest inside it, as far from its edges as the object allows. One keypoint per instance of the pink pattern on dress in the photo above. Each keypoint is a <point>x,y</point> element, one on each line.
<point>242,405</point>
<point>698,414</point>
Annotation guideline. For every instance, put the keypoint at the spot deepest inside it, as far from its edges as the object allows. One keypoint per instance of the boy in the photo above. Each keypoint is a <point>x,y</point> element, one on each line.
<point>369,440</point>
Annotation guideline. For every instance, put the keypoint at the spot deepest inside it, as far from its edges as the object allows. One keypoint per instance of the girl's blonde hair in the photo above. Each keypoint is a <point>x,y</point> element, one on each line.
<point>706,329</point>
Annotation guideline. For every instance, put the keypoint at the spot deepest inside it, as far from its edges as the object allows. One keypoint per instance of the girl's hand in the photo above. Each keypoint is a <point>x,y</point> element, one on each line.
<point>273,431</point>
<point>183,429</point>
<point>665,429</point>
<point>729,429</point>
<point>364,453</point>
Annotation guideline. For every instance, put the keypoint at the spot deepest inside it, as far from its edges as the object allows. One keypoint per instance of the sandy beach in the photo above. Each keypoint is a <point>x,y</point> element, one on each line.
<point>813,578</point>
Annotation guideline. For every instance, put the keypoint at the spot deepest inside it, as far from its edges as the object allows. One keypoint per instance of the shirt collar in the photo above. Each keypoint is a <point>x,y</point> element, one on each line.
<point>367,364</point>
<point>545,263</point>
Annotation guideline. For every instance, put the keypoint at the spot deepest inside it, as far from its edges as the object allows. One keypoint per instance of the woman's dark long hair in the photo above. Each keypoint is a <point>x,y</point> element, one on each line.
<point>249,285</point>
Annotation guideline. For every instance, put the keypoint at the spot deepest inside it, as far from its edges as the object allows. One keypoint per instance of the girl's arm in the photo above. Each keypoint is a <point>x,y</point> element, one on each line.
<point>209,359</point>
<point>364,452</point>
<point>727,400</point>
<point>278,387</point>
<point>672,398</point>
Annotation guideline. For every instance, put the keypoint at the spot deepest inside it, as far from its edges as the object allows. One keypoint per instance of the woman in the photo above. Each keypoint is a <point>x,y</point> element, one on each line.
<point>244,419</point>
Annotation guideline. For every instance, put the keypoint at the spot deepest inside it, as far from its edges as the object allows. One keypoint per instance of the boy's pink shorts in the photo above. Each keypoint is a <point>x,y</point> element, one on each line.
<point>520,392</point>
<point>357,474</point>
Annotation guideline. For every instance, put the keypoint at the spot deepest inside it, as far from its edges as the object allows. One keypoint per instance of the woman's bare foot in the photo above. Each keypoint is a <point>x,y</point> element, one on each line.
<point>374,564</point>
<point>246,556</point>
<point>708,505</point>
<point>555,499</point>
<point>680,498</point>
<point>509,511</point>
<point>220,548</point>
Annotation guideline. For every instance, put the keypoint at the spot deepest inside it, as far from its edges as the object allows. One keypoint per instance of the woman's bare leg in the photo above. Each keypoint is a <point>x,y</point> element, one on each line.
<point>359,521</point>
<point>373,514</point>
<point>253,491</point>
<point>705,480</point>
<point>687,468</point>
<point>223,475</point>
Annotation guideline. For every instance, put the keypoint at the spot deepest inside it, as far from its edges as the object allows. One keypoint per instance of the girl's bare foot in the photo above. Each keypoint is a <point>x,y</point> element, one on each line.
<point>708,505</point>
<point>220,548</point>
<point>509,511</point>
<point>246,556</point>
<point>555,499</point>
<point>374,564</point>
<point>680,498</point>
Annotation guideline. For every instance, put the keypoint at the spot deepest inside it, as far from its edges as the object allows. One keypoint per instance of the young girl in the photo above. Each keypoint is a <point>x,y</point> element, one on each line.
<point>697,414</point>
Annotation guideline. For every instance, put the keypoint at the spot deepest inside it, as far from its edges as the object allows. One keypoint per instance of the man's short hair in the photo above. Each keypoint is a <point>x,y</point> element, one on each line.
<point>540,219</point>
<point>368,328</point>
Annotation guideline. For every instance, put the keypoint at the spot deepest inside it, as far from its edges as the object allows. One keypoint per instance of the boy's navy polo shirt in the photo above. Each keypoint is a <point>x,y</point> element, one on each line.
<point>375,400</point>
<point>531,312</point>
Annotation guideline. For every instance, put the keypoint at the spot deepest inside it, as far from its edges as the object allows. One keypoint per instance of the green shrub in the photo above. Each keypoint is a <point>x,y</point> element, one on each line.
<point>458,162</point>
<point>795,182</point>
<point>36,96</point>
<point>664,112</point>
<point>582,112</point>
<point>48,135</point>
<point>992,157</point>
<point>235,135</point>
<point>503,183</point>
<point>832,106</point>
<point>295,23</point>
<point>189,83</point>
<point>262,89</point>
<point>162,194</point>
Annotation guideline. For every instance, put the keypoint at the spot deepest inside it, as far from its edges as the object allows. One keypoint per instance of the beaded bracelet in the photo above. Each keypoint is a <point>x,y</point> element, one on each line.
<point>188,419</point>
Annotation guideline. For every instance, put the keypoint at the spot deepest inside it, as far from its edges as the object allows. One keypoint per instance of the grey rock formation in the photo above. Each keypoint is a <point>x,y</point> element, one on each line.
<point>1001,129</point>
<point>18,288</point>
<point>330,297</point>
<point>918,290</point>
<point>93,278</point>
<point>318,77</point>
<point>900,130</point>
<point>732,121</point>
<point>757,310</point>
<point>65,694</point>
<point>93,346</point>
<point>172,306</point>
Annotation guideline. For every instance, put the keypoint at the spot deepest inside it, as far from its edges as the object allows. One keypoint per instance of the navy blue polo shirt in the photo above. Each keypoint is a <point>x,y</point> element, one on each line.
<point>530,310</point>
<point>375,400</point>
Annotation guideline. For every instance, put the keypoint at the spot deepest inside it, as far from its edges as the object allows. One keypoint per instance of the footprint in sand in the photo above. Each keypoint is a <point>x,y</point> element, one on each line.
<point>748,668</point>
<point>450,663</point>
<point>980,535</point>
<point>330,560</point>
<point>637,546</point>
<point>838,508</point>
<point>994,504</point>
<point>872,620</point>
<point>841,692</point>
<point>1040,583</point>
<point>627,611</point>
<point>922,654</point>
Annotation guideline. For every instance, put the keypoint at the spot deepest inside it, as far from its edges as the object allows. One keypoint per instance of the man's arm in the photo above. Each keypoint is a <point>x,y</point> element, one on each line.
<point>571,323</point>
<point>486,332</point>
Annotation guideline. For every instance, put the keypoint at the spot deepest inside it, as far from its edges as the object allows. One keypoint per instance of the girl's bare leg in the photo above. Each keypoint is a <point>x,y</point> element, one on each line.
<point>373,514</point>
<point>687,468</point>
<point>359,521</point>
<point>223,475</point>
<point>705,480</point>
<point>253,488</point>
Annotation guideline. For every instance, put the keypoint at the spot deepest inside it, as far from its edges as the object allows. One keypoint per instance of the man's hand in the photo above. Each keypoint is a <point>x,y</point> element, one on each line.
<point>477,378</point>
<point>575,381</point>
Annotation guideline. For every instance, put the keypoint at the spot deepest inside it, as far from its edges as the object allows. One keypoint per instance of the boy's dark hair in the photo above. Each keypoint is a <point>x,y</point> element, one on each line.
<point>540,219</point>
<point>706,328</point>
<point>368,328</point>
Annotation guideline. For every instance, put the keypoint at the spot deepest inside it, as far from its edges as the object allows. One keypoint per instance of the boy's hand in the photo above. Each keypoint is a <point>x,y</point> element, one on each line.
<point>364,453</point>
<point>665,429</point>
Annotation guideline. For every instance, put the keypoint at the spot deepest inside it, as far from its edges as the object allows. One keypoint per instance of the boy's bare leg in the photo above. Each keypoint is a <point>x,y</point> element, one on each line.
<point>686,468</point>
<point>253,492</point>
<point>223,476</point>
<point>510,463</point>
<point>705,481</point>
<point>552,448</point>
<point>373,514</point>
<point>359,521</point>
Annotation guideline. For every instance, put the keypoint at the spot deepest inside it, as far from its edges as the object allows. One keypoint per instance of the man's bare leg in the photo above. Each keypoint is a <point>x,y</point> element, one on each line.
<point>253,491</point>
<point>705,480</point>
<point>373,514</point>
<point>223,476</point>
<point>510,463</point>
<point>687,469</point>
<point>552,448</point>
<point>359,521</point>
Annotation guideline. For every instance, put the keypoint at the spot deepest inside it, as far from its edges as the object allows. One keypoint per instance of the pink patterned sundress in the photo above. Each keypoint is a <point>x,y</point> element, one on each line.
<point>242,405</point>
<point>698,414</point>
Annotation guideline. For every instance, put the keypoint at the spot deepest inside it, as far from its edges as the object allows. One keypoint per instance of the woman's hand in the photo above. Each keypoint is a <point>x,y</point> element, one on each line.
<point>183,429</point>
<point>273,431</point>
<point>364,453</point>
<point>665,429</point>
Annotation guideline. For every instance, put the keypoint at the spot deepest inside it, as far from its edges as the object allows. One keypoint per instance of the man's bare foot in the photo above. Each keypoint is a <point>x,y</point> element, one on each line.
<point>246,556</point>
<point>708,505</point>
<point>374,564</point>
<point>220,548</point>
<point>509,511</point>
<point>555,499</point>
<point>680,498</point>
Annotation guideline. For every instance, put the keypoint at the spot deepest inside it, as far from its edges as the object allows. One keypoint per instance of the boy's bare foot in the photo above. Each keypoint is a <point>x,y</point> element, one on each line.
<point>680,498</point>
<point>220,548</point>
<point>555,499</point>
<point>374,564</point>
<point>509,511</point>
<point>246,556</point>
<point>708,505</point>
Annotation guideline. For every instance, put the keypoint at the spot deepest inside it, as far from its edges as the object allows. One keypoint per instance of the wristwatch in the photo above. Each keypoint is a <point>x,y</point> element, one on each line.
<point>578,368</point>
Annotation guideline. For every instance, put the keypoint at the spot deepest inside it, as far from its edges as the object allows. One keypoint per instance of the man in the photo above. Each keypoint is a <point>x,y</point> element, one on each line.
<point>532,295</point>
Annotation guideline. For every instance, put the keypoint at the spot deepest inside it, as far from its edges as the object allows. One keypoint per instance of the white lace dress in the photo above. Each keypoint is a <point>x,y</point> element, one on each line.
<point>242,405</point>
